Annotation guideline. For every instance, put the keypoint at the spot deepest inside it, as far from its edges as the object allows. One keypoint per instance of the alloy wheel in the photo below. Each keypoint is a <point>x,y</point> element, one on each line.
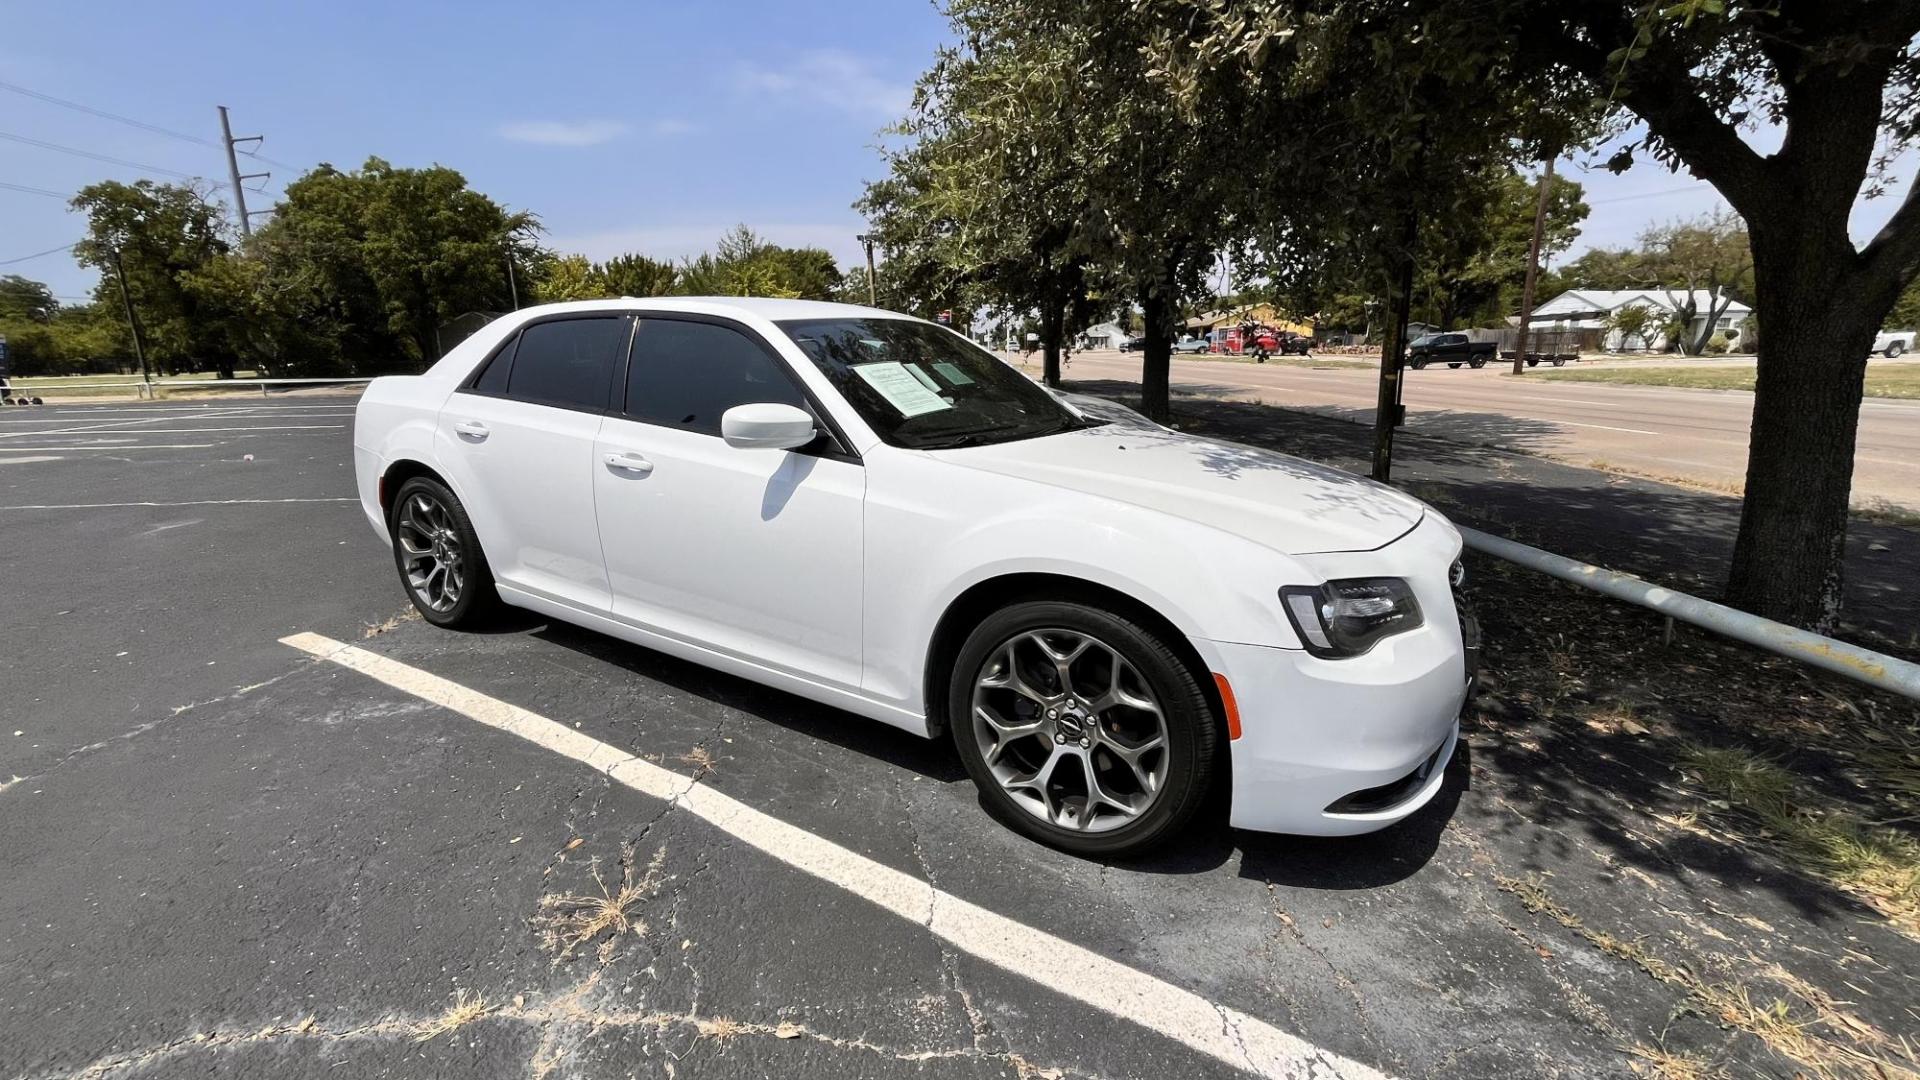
<point>1070,730</point>
<point>431,555</point>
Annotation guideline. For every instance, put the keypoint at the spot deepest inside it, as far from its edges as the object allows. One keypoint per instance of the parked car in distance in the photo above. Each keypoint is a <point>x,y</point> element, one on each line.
<point>867,510</point>
<point>1451,349</point>
<point>1192,345</point>
<point>1891,343</point>
<point>1294,343</point>
<point>1133,344</point>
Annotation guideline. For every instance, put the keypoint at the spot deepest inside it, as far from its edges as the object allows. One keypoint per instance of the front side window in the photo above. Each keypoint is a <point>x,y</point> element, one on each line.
<point>567,362</point>
<point>923,387</point>
<point>685,374</point>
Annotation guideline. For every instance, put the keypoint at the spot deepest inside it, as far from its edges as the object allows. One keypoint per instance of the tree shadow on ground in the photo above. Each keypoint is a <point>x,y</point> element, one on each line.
<point>1678,536</point>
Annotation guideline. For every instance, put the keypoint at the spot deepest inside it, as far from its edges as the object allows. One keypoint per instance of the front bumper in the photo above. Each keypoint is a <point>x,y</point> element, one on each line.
<point>1348,746</point>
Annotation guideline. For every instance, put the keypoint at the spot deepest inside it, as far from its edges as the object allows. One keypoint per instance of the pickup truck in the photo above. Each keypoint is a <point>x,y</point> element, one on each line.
<point>1891,343</point>
<point>1451,349</point>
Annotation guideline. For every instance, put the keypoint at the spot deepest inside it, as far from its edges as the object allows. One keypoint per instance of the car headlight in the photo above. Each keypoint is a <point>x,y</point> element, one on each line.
<point>1347,617</point>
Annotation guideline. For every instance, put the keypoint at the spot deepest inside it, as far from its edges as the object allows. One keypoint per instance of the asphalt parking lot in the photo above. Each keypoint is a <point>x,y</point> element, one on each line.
<point>260,822</point>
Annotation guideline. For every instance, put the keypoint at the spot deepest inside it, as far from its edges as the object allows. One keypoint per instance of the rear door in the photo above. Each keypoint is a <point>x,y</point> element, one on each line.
<point>752,552</point>
<point>517,441</point>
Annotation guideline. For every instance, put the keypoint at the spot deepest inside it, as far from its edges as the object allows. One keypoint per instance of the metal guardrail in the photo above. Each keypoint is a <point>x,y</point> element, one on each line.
<point>1862,665</point>
<point>146,386</point>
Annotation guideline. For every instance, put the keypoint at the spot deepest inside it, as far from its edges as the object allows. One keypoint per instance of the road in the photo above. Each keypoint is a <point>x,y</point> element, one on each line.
<point>1698,436</point>
<point>258,821</point>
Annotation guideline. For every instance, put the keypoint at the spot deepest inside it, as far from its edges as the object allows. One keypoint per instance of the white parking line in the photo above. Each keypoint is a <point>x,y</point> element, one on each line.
<point>190,502</point>
<point>111,446</point>
<point>184,430</point>
<point>1218,1031</point>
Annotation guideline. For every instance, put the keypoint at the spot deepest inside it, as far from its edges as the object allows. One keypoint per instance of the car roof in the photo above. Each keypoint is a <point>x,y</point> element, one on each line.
<point>764,307</point>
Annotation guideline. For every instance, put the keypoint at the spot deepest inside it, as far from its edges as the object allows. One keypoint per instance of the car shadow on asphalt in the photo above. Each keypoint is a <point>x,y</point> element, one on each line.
<point>1307,862</point>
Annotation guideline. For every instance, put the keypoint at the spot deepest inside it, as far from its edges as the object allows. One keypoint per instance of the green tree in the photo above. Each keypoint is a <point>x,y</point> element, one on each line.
<point>570,277</point>
<point>163,234</point>
<point>1707,259</point>
<point>637,275</point>
<point>361,268</point>
<point>1473,262</point>
<point>1836,78</point>
<point>1633,322</point>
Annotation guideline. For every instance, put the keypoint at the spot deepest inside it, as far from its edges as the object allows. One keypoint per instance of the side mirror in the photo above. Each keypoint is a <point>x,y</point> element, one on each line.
<point>767,426</point>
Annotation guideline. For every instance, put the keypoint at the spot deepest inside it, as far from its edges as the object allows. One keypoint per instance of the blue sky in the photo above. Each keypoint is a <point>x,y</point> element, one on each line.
<point>645,127</point>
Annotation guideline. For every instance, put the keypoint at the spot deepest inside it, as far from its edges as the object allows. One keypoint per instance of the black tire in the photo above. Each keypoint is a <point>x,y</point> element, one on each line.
<point>1477,363</point>
<point>1191,729</point>
<point>1533,361</point>
<point>1420,364</point>
<point>1559,361</point>
<point>1895,349</point>
<point>477,603</point>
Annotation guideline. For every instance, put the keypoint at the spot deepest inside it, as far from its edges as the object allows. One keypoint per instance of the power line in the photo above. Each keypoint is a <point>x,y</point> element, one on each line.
<point>96,157</point>
<point>40,254</point>
<point>105,115</point>
<point>1645,195</point>
<point>34,190</point>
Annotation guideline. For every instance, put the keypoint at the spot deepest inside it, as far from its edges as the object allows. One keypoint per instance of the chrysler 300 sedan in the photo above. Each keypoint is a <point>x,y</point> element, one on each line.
<point>1108,618</point>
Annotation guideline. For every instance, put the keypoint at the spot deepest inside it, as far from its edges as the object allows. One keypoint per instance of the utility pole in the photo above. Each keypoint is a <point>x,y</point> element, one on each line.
<point>126,300</point>
<point>233,171</point>
<point>873,299</point>
<point>513,286</point>
<point>1533,270</point>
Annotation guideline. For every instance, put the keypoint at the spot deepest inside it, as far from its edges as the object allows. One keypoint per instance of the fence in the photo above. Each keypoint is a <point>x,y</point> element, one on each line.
<point>1862,665</point>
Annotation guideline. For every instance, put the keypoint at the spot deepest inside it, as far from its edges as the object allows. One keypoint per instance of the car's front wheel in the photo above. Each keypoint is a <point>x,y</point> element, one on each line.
<point>439,557</point>
<point>1081,727</point>
<point>1895,349</point>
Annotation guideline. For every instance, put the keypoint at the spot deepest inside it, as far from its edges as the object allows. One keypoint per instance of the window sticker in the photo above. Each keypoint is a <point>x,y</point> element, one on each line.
<point>893,382</point>
<point>924,379</point>
<point>954,375</point>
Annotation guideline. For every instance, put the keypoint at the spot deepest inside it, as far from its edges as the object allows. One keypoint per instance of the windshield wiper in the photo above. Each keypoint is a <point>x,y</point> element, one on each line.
<point>965,438</point>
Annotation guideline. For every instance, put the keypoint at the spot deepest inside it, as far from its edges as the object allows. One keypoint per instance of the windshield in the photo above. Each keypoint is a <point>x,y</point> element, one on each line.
<point>926,388</point>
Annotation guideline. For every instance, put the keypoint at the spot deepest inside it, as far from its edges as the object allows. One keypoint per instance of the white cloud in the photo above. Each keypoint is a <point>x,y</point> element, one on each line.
<point>676,242</point>
<point>834,78</point>
<point>564,132</point>
<point>671,127</point>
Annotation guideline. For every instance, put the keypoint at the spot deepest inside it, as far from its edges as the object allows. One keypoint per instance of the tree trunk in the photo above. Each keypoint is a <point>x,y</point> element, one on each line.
<point>1156,358</point>
<point>1052,322</point>
<point>1789,558</point>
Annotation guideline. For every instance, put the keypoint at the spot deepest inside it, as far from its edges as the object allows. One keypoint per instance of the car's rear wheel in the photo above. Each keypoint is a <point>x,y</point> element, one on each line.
<point>1081,727</point>
<point>1896,349</point>
<point>1477,363</point>
<point>439,557</point>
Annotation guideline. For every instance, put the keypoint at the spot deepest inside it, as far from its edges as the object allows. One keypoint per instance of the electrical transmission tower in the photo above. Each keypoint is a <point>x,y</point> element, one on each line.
<point>233,171</point>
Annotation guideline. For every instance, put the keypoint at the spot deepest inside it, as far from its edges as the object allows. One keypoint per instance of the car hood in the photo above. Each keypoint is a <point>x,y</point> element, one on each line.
<point>1282,502</point>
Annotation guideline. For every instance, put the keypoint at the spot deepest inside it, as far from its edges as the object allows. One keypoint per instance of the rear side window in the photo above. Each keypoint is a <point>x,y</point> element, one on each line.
<point>569,362</point>
<point>494,379</point>
<point>685,374</point>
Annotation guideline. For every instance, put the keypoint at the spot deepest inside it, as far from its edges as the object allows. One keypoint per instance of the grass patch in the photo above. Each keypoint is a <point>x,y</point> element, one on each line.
<point>466,1008</point>
<point>570,921</point>
<point>1877,864</point>
<point>1811,1030</point>
<point>1883,380</point>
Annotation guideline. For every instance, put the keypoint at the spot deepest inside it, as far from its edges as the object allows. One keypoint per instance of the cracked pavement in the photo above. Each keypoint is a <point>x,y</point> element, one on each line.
<point>224,859</point>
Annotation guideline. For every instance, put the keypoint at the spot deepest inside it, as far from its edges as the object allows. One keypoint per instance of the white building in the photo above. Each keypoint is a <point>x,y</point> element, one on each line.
<point>1589,309</point>
<point>1106,335</point>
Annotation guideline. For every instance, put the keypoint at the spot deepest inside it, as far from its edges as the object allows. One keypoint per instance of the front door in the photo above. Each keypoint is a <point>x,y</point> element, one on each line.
<point>517,443</point>
<point>754,553</point>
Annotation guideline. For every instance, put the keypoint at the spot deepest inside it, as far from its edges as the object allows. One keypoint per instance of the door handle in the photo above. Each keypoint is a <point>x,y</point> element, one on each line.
<point>629,462</point>
<point>472,429</point>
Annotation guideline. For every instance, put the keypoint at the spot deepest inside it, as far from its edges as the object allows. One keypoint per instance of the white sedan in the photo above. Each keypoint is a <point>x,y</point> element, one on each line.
<point>1108,618</point>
